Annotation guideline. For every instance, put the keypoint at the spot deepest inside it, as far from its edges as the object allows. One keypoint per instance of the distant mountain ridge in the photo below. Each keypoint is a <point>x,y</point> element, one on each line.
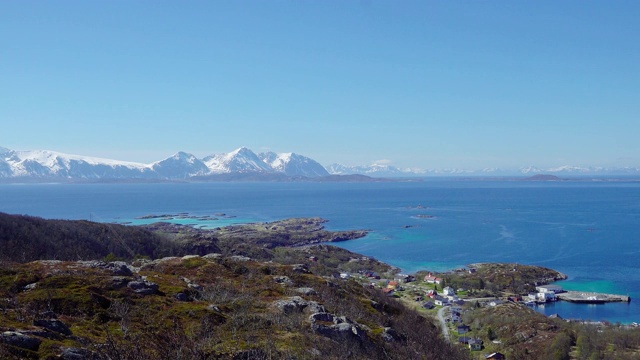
<point>240,164</point>
<point>45,164</point>
<point>378,170</point>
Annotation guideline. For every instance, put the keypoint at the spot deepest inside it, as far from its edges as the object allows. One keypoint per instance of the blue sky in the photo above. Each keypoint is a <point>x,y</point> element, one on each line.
<point>428,84</point>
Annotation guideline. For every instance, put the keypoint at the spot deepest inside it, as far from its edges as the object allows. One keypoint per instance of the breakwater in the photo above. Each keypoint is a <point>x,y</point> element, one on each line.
<point>591,297</point>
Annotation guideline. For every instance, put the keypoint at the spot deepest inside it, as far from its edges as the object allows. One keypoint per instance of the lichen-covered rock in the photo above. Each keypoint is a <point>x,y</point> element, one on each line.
<point>306,291</point>
<point>337,327</point>
<point>284,280</point>
<point>239,258</point>
<point>20,340</point>
<point>291,305</point>
<point>195,287</point>
<point>301,268</point>
<point>30,286</point>
<point>212,256</point>
<point>144,287</point>
<point>296,304</point>
<point>390,335</point>
<point>118,282</point>
<point>116,268</point>
<point>181,296</point>
<point>78,354</point>
<point>54,325</point>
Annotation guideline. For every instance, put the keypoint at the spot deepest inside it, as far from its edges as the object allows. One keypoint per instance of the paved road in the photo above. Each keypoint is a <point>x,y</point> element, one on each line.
<point>443,324</point>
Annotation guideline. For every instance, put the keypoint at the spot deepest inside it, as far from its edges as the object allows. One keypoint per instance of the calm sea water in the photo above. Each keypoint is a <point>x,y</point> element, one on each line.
<point>588,230</point>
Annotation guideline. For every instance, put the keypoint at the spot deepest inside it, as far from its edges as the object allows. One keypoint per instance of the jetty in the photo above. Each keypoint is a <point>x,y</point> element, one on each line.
<point>591,297</point>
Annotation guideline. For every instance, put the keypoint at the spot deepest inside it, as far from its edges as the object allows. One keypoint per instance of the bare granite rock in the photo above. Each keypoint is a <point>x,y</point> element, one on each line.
<point>144,287</point>
<point>20,340</point>
<point>54,325</point>
<point>296,304</point>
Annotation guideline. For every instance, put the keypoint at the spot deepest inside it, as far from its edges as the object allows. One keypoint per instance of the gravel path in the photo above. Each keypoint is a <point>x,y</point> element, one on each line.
<point>443,324</point>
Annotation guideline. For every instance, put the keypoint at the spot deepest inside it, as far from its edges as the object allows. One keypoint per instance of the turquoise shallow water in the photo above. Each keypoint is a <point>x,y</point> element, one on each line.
<point>588,230</point>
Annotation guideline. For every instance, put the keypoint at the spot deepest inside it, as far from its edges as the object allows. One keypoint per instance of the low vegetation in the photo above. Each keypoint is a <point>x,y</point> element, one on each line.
<point>283,303</point>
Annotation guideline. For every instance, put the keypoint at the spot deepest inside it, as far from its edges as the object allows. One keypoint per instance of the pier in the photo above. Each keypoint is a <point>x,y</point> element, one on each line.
<point>591,297</point>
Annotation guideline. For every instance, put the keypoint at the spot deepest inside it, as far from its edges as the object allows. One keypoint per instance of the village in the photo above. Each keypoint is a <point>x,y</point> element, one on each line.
<point>430,295</point>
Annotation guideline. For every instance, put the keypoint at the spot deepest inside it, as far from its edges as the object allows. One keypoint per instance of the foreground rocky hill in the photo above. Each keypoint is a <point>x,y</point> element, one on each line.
<point>203,307</point>
<point>259,291</point>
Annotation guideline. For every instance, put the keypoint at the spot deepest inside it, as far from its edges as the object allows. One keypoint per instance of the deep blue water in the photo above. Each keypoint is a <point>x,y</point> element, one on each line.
<point>588,230</point>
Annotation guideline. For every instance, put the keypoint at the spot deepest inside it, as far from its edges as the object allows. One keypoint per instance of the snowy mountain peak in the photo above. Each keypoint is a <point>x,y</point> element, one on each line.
<point>242,151</point>
<point>182,165</point>
<point>293,164</point>
<point>240,160</point>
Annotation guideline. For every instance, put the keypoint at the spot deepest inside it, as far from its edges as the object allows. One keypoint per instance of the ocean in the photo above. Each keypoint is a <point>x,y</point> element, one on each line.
<point>585,229</point>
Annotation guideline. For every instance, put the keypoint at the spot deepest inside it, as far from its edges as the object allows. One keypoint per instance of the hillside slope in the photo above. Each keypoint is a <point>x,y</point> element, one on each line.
<point>280,303</point>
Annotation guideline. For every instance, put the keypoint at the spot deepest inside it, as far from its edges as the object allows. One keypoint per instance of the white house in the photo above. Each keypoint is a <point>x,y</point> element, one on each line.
<point>441,301</point>
<point>547,296</point>
<point>432,279</point>
<point>448,291</point>
<point>556,289</point>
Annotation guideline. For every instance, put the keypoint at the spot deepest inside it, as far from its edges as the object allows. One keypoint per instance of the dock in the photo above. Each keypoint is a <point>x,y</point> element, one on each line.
<point>591,297</point>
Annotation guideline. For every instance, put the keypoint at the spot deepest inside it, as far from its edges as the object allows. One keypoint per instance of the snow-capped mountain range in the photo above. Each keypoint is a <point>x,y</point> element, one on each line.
<point>44,165</point>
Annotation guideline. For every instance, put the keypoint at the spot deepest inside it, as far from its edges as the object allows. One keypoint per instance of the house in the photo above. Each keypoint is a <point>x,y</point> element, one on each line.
<point>448,291</point>
<point>455,317</point>
<point>429,305</point>
<point>475,344</point>
<point>405,278</point>
<point>453,298</point>
<point>344,276</point>
<point>388,291</point>
<point>458,302</point>
<point>495,356</point>
<point>495,302</point>
<point>463,329</point>
<point>432,294</point>
<point>546,296</point>
<point>456,314</point>
<point>556,289</point>
<point>441,301</point>
<point>432,279</point>
<point>464,340</point>
<point>393,285</point>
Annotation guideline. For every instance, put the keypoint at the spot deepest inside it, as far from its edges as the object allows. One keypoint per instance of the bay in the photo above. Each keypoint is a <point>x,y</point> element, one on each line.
<point>586,229</point>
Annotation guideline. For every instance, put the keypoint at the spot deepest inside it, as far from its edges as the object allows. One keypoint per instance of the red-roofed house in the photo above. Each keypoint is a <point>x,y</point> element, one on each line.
<point>432,279</point>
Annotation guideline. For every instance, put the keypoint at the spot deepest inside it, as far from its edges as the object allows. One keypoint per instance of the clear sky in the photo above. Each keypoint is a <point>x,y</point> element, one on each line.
<point>427,84</point>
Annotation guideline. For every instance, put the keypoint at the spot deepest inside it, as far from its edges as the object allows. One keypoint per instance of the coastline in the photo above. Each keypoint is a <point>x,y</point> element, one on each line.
<point>204,222</point>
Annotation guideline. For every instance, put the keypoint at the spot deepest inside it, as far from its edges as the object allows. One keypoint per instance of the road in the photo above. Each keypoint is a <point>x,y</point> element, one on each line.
<point>443,324</point>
